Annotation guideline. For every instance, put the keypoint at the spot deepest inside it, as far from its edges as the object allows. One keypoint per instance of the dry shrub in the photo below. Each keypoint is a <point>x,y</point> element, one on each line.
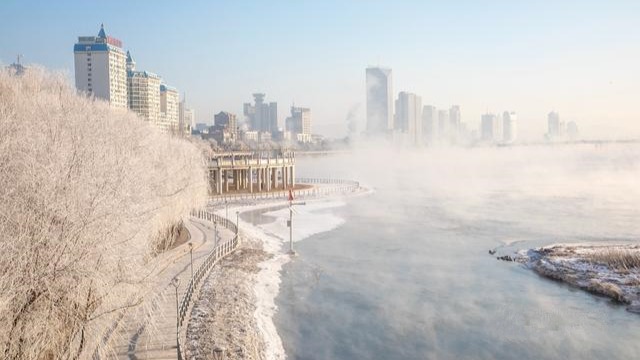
<point>85,190</point>
<point>168,236</point>
<point>608,289</point>
<point>616,258</point>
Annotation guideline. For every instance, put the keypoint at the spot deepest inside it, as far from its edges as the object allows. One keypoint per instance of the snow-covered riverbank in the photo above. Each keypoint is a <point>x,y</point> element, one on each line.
<point>602,269</point>
<point>236,306</point>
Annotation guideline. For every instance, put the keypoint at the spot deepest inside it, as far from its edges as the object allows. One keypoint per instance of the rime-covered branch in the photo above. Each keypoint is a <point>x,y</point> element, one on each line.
<point>87,193</point>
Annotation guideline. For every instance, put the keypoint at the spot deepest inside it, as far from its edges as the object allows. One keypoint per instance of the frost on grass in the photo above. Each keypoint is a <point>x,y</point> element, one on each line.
<point>223,316</point>
<point>87,193</point>
<point>608,270</point>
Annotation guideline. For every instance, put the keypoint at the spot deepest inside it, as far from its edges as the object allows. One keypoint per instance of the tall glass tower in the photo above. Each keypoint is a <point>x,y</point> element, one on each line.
<point>379,101</point>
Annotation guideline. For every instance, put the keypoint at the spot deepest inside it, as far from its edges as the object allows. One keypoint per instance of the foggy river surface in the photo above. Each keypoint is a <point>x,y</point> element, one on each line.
<point>407,274</point>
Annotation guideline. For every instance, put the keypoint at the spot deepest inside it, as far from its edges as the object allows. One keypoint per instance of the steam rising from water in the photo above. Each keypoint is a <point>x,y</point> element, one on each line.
<point>408,274</point>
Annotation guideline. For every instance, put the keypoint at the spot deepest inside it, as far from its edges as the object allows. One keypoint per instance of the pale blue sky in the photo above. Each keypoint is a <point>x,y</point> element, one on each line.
<point>581,58</point>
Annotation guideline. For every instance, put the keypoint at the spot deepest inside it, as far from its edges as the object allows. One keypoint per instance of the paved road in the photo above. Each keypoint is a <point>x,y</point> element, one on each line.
<point>139,338</point>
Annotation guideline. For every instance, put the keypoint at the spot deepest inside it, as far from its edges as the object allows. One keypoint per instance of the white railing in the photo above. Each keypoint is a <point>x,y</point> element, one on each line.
<point>218,252</point>
<point>251,162</point>
<point>334,186</point>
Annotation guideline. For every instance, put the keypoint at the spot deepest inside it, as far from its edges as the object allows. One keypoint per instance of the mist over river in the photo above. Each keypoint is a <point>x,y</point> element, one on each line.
<point>404,273</point>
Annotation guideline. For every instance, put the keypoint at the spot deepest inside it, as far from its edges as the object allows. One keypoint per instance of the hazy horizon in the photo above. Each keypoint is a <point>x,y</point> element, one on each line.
<point>578,58</point>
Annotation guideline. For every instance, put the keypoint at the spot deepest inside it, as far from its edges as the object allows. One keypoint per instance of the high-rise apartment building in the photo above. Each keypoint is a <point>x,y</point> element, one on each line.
<point>227,121</point>
<point>104,70</point>
<point>144,93</point>
<point>271,125</point>
<point>444,124</point>
<point>408,117</point>
<point>555,127</point>
<point>454,123</point>
<point>299,124</point>
<point>100,68</point>
<point>189,116</point>
<point>509,127</point>
<point>169,109</point>
<point>429,124</point>
<point>488,127</point>
<point>225,128</point>
<point>379,100</point>
<point>186,118</point>
<point>262,117</point>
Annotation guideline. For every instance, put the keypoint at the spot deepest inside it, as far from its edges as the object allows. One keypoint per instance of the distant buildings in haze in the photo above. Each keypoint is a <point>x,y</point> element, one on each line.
<point>488,127</point>
<point>509,127</point>
<point>572,130</point>
<point>262,122</point>
<point>429,124</point>
<point>558,131</point>
<point>555,129</point>
<point>498,128</point>
<point>410,123</point>
<point>442,126</point>
<point>298,125</point>
<point>186,117</point>
<point>104,70</point>
<point>408,117</point>
<point>262,117</point>
<point>225,128</point>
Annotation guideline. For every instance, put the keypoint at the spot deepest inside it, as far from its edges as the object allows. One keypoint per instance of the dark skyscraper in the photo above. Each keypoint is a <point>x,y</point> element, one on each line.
<point>262,117</point>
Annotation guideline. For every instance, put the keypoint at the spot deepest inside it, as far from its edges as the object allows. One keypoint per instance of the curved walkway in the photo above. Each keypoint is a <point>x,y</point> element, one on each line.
<point>149,332</point>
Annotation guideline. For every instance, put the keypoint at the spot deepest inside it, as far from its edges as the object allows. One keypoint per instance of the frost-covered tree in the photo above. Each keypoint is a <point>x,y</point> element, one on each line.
<point>86,194</point>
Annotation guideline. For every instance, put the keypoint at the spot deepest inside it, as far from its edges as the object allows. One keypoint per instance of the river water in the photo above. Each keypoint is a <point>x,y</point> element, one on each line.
<point>405,273</point>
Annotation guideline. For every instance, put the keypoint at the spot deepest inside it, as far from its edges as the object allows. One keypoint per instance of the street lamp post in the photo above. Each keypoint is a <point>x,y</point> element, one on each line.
<point>237,222</point>
<point>290,222</point>
<point>176,282</point>
<point>226,206</point>
<point>215,232</point>
<point>191,254</point>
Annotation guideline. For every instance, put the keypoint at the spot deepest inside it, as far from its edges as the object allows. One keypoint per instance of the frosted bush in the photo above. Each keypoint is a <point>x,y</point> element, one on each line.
<point>85,191</point>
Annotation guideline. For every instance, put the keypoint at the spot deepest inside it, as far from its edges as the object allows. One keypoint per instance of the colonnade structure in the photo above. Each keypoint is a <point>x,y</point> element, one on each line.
<point>251,171</point>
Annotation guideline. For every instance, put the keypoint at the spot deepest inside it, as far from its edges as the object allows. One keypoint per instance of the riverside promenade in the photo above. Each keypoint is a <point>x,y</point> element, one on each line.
<point>149,331</point>
<point>157,328</point>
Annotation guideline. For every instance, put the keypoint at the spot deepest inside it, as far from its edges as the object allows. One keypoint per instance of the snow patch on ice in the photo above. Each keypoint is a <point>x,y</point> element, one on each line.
<point>307,220</point>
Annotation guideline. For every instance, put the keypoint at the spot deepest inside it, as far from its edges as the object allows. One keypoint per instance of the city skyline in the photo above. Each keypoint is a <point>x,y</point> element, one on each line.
<point>552,58</point>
